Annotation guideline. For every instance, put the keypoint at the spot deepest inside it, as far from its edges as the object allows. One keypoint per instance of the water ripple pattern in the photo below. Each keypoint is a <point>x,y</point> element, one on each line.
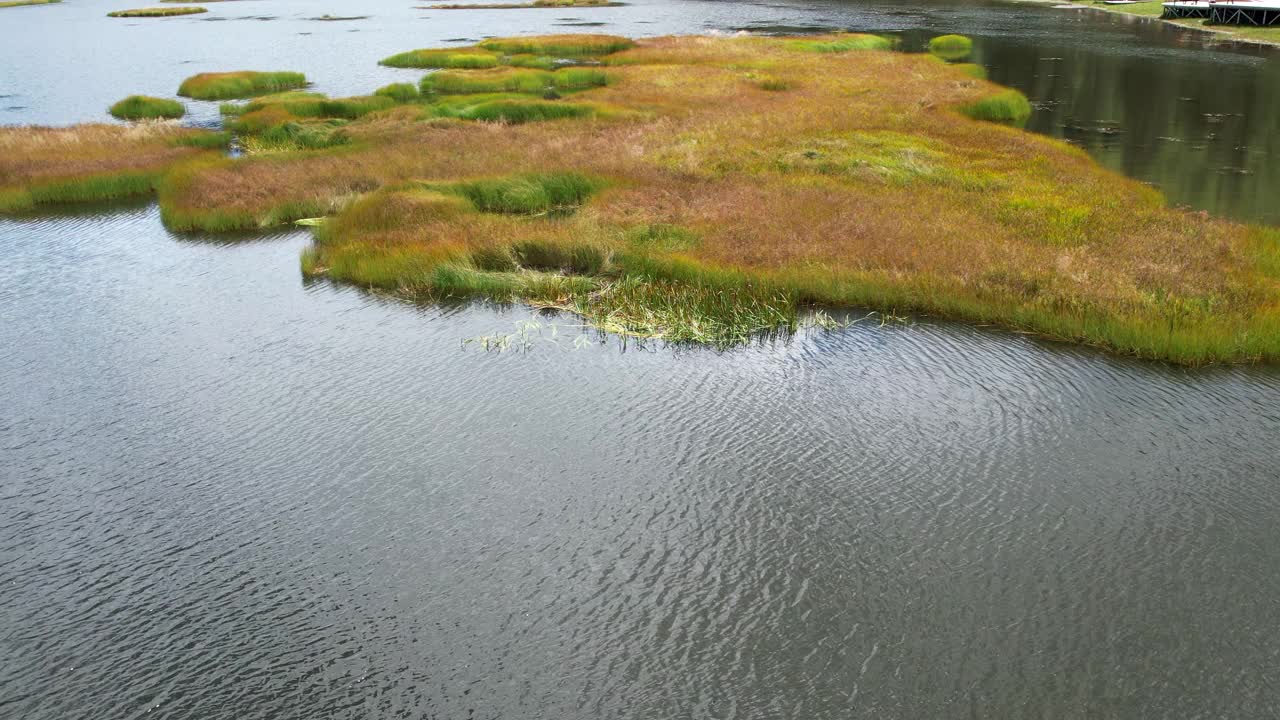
<point>227,494</point>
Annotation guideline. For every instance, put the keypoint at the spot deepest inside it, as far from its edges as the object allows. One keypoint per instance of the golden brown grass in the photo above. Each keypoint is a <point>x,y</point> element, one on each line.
<point>88,162</point>
<point>743,177</point>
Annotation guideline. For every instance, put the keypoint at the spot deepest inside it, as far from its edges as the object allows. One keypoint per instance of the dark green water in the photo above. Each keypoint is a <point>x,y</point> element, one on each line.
<point>227,494</point>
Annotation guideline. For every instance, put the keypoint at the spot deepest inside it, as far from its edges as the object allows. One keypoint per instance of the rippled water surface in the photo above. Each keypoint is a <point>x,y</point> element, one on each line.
<point>228,494</point>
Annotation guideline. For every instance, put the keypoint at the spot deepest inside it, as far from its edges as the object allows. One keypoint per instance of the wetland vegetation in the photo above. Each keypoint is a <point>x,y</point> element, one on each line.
<point>704,189</point>
<point>143,107</point>
<point>157,12</point>
<point>20,3</point>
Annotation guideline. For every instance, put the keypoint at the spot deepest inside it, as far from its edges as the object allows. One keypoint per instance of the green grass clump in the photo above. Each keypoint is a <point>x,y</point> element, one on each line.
<point>567,46</point>
<point>400,92</point>
<point>298,136</point>
<point>20,3</point>
<point>1008,105</point>
<point>143,107</point>
<point>522,111</point>
<point>841,43</point>
<point>534,194</point>
<point>469,58</point>
<point>157,12</point>
<point>239,84</point>
<point>204,140</point>
<point>977,72</point>
<point>951,47</point>
<point>536,62</point>
<point>513,81</point>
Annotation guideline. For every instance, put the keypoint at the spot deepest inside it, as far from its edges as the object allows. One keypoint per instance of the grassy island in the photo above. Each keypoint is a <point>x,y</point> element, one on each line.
<point>706,189</point>
<point>143,107</point>
<point>239,84</point>
<point>21,3</point>
<point>157,12</point>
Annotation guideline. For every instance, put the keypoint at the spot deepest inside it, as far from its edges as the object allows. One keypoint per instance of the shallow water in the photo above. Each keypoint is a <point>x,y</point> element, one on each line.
<point>225,493</point>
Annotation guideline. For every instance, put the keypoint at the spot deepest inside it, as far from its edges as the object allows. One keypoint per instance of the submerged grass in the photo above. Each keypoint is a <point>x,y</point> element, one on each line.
<point>239,84</point>
<point>143,107</point>
<point>711,190</point>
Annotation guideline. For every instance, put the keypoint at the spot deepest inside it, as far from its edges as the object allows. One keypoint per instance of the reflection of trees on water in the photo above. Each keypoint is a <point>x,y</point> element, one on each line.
<point>1200,120</point>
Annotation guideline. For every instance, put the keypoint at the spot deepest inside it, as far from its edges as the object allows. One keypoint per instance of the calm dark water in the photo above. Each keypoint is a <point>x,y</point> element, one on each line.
<point>228,494</point>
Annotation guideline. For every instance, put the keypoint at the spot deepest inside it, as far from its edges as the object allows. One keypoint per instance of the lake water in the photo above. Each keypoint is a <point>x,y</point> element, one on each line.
<point>225,493</point>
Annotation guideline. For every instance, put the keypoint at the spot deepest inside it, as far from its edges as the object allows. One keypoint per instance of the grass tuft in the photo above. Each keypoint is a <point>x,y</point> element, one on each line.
<point>951,47</point>
<point>1008,106</point>
<point>143,107</point>
<point>400,92</point>
<point>567,46</point>
<point>840,43</point>
<point>239,84</point>
<point>441,59</point>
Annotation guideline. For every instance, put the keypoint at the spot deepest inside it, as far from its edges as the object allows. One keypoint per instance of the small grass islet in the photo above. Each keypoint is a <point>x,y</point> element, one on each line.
<point>143,107</point>
<point>157,12</point>
<point>239,84</point>
<point>23,3</point>
<point>708,189</point>
<point>951,47</point>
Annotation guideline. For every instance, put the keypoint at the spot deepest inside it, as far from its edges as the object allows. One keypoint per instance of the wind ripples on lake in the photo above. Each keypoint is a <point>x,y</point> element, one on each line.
<point>230,494</point>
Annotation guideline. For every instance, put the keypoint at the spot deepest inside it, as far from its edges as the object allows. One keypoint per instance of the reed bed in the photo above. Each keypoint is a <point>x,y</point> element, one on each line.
<point>686,200</point>
<point>159,12</point>
<point>239,84</point>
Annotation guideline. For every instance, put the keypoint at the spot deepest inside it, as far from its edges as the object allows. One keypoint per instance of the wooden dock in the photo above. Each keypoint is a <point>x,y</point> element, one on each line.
<point>1259,13</point>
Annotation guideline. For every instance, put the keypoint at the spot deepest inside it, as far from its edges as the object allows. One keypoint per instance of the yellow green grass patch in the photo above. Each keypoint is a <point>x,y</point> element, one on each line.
<point>239,84</point>
<point>157,12</point>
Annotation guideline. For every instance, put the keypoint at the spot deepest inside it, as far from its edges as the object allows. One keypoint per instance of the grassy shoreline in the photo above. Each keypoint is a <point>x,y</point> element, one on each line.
<point>706,189</point>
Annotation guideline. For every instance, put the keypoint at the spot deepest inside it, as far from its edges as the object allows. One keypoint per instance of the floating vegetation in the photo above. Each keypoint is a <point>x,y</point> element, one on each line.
<point>708,190</point>
<point>239,84</point>
<point>951,47</point>
<point>338,18</point>
<point>20,3</point>
<point>143,107</point>
<point>157,12</point>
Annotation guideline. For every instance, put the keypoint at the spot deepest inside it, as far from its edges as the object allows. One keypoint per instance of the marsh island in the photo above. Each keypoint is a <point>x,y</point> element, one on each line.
<point>704,189</point>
